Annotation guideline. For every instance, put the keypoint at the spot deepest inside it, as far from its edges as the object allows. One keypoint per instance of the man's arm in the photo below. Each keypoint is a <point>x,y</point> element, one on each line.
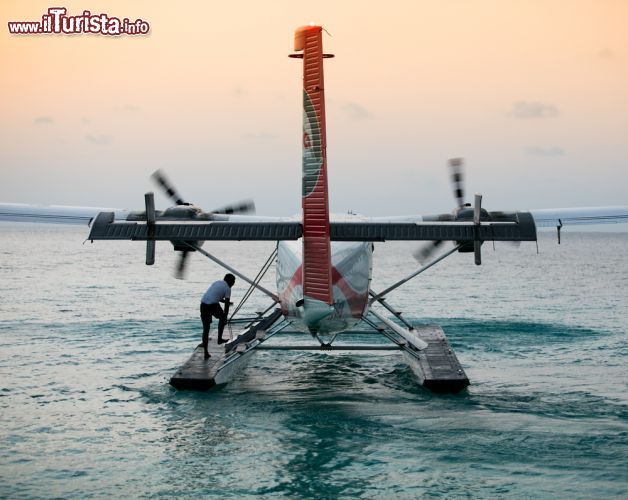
<point>227,301</point>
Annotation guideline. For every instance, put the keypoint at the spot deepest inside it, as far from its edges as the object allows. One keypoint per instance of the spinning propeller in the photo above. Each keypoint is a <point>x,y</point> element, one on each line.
<point>183,210</point>
<point>457,180</point>
<point>463,212</point>
<point>162,181</point>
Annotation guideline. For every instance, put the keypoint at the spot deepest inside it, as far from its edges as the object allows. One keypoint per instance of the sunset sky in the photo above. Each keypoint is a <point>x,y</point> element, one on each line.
<point>533,94</point>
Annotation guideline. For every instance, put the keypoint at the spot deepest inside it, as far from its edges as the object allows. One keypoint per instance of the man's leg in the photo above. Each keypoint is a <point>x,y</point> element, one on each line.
<point>206,318</point>
<point>222,321</point>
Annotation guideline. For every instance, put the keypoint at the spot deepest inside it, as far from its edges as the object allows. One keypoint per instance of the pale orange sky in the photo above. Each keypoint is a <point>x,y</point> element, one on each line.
<point>534,94</point>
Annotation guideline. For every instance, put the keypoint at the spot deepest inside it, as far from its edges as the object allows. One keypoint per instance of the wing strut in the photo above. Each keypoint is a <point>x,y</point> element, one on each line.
<point>393,311</point>
<point>234,271</point>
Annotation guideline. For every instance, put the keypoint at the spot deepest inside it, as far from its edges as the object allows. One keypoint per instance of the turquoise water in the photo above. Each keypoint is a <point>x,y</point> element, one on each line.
<point>89,337</point>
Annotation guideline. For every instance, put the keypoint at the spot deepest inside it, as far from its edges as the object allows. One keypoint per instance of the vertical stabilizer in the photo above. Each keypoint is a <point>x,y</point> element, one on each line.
<point>317,281</point>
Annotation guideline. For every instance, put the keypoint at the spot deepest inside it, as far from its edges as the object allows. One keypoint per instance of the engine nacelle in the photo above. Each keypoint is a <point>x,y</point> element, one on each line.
<point>465,213</point>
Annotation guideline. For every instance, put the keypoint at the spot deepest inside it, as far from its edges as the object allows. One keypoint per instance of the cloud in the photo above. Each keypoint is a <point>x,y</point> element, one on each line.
<point>605,53</point>
<point>131,107</point>
<point>531,109</point>
<point>238,92</point>
<point>356,112</point>
<point>101,139</point>
<point>545,151</point>
<point>44,120</point>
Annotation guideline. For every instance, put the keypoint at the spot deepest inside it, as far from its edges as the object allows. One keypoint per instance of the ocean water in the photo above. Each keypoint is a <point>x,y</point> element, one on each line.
<point>89,337</point>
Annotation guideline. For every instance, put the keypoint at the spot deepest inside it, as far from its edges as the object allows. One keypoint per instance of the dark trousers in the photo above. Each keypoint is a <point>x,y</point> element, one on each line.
<point>207,311</point>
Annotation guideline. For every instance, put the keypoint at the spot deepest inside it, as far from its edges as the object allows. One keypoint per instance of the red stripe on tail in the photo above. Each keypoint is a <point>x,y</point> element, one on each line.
<point>317,282</point>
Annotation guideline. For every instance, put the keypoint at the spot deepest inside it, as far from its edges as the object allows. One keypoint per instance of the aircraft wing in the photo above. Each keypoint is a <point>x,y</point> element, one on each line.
<point>53,214</point>
<point>65,214</point>
<point>551,217</point>
<point>515,226</point>
<point>558,217</point>
<point>344,228</point>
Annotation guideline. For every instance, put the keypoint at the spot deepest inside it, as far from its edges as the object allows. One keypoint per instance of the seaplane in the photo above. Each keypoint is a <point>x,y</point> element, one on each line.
<point>323,263</point>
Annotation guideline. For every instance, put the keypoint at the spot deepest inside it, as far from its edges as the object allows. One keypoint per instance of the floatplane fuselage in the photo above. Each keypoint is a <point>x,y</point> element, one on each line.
<point>351,270</point>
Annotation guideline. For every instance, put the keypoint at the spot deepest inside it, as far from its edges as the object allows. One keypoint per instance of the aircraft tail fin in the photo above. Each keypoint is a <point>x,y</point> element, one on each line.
<point>317,278</point>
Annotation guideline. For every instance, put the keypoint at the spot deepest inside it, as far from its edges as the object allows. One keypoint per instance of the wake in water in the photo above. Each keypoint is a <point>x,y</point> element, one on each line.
<point>87,410</point>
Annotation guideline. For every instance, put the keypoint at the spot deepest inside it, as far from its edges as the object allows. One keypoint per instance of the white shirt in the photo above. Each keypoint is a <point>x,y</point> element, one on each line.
<point>216,292</point>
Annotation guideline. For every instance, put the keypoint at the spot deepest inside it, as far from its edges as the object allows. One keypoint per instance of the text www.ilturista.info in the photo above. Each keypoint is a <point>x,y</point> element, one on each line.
<point>57,22</point>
